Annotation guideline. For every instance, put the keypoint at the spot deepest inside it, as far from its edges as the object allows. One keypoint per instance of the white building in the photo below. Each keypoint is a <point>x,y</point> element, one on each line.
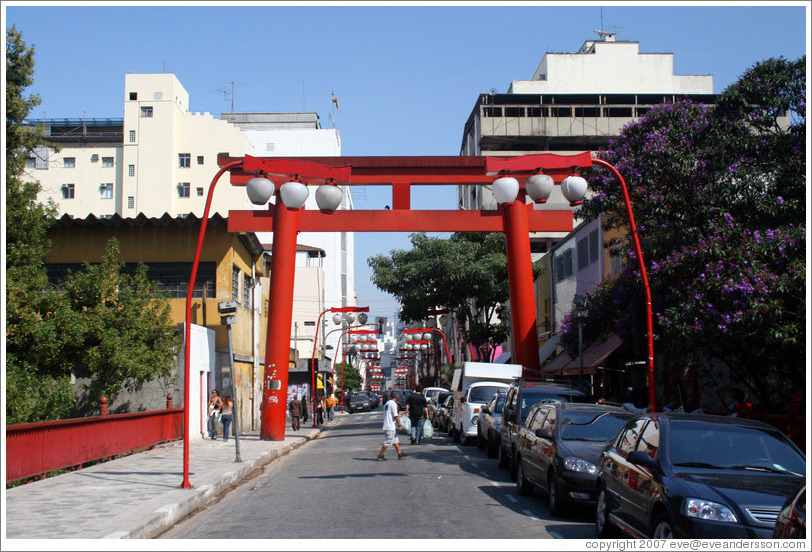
<point>574,102</point>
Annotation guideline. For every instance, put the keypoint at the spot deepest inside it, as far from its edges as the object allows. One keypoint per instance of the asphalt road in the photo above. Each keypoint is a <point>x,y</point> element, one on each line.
<point>333,488</point>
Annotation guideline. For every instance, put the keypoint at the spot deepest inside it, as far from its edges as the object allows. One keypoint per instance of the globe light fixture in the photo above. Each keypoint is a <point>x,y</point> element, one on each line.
<point>328,197</point>
<point>294,194</point>
<point>539,187</point>
<point>362,318</point>
<point>259,190</point>
<point>426,336</point>
<point>505,189</point>
<point>574,189</point>
<point>337,318</point>
<point>349,317</point>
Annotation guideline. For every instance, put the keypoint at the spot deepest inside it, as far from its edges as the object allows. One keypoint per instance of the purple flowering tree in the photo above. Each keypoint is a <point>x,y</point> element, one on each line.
<point>719,198</point>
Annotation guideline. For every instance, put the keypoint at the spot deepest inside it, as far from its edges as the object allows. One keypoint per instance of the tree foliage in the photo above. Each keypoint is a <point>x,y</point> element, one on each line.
<point>100,323</point>
<point>466,273</point>
<point>351,377</point>
<point>719,198</point>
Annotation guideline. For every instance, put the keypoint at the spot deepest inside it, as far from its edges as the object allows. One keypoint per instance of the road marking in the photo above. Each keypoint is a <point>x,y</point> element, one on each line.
<point>513,499</point>
<point>530,514</point>
<point>483,474</point>
<point>554,535</point>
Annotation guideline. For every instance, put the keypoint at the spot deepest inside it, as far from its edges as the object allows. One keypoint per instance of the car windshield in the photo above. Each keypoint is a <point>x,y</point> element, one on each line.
<point>731,446</point>
<point>500,404</point>
<point>535,396</point>
<point>592,426</point>
<point>481,394</point>
<point>442,397</point>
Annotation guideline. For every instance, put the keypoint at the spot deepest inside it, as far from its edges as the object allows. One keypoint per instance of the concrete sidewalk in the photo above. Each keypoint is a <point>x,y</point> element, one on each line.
<point>137,497</point>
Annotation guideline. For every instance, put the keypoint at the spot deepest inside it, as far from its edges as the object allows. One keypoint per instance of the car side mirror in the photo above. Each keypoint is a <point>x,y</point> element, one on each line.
<point>462,399</point>
<point>642,459</point>
<point>485,410</point>
<point>544,433</point>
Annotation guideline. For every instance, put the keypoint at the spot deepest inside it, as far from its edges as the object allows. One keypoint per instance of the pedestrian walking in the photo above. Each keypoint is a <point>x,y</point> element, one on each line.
<point>319,410</point>
<point>214,413</point>
<point>295,408</point>
<point>226,415</point>
<point>330,404</point>
<point>305,417</point>
<point>417,409</point>
<point>391,425</point>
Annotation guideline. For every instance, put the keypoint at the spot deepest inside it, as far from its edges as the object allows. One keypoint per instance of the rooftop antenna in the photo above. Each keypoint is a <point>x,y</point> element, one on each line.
<point>604,33</point>
<point>227,92</point>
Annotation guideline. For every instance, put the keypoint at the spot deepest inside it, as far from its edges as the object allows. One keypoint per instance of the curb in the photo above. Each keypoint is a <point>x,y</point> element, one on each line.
<point>166,516</point>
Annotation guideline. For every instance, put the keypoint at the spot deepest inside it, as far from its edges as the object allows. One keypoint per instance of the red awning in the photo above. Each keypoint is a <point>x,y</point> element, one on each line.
<point>594,355</point>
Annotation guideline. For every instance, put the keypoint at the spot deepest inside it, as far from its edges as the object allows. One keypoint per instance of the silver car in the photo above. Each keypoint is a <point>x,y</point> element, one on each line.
<point>490,424</point>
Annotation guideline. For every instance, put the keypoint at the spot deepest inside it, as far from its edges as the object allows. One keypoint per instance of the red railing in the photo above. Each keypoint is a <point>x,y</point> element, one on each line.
<point>38,448</point>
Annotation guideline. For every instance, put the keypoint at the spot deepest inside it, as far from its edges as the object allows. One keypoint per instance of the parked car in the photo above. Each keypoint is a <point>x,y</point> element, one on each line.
<point>559,449</point>
<point>431,392</point>
<point>670,475</point>
<point>435,404</point>
<point>791,522</point>
<point>465,415</point>
<point>374,401</point>
<point>521,396</point>
<point>443,414</point>
<point>359,403</point>
<point>490,424</point>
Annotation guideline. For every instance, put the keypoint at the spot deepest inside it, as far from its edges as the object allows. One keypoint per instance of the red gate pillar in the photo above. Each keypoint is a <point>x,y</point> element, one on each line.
<point>522,293</point>
<point>277,343</point>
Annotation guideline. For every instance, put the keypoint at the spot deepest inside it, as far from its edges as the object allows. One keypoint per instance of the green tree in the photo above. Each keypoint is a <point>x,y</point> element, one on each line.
<point>466,273</point>
<point>37,378</point>
<point>126,338</point>
<point>351,377</point>
<point>719,198</point>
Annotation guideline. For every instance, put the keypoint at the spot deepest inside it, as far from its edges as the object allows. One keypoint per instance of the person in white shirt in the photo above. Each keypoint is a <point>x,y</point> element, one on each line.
<point>391,423</point>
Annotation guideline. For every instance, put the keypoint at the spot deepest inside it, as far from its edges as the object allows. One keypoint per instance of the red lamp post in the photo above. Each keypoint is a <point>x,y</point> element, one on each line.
<point>316,338</point>
<point>644,277</point>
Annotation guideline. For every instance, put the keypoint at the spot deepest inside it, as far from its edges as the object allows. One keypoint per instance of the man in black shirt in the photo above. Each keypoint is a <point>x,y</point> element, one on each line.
<point>417,408</point>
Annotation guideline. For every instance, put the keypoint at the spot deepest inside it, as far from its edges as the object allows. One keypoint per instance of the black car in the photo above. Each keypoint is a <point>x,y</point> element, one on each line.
<point>359,403</point>
<point>443,414</point>
<point>791,522</point>
<point>521,396</point>
<point>670,475</point>
<point>559,449</point>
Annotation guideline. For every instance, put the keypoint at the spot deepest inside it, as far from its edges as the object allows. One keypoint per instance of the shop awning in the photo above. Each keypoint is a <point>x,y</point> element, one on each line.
<point>594,355</point>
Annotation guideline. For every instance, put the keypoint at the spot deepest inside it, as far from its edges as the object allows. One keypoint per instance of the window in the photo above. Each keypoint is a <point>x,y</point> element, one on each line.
<point>235,283</point>
<point>132,136</point>
<point>650,439</point>
<point>583,253</point>
<point>69,162</point>
<point>492,111</point>
<point>567,263</point>
<point>157,95</point>
<point>131,170</point>
<point>30,163</point>
<point>146,111</point>
<point>616,260</point>
<point>130,202</point>
<point>199,159</point>
<point>200,192</point>
<point>628,439</point>
<point>108,162</point>
<point>183,189</point>
<point>247,290</point>
<point>310,323</point>
<point>184,160</point>
<point>549,421</point>
<point>94,158</point>
<point>594,246</point>
<point>68,191</point>
<point>106,190</point>
<point>562,265</point>
<point>223,154</point>
<point>133,95</point>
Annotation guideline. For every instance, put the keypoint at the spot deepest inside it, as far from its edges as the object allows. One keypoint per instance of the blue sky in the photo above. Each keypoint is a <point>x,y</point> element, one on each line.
<point>407,76</point>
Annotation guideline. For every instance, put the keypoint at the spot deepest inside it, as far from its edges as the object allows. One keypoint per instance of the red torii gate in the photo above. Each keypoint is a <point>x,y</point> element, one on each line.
<point>516,220</point>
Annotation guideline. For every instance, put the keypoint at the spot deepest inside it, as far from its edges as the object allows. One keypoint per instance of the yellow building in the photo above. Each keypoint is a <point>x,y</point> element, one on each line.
<point>233,267</point>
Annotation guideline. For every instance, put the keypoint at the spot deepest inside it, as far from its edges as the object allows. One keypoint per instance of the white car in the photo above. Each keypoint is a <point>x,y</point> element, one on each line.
<point>465,417</point>
<point>431,392</point>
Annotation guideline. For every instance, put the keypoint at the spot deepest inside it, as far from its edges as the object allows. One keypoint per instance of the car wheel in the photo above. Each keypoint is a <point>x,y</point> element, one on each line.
<point>493,449</point>
<point>523,486</point>
<point>604,527</point>
<point>502,462</point>
<point>455,435</point>
<point>663,528</point>
<point>558,506</point>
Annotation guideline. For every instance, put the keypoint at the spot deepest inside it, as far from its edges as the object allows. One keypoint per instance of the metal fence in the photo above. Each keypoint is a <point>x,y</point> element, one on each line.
<point>38,448</point>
